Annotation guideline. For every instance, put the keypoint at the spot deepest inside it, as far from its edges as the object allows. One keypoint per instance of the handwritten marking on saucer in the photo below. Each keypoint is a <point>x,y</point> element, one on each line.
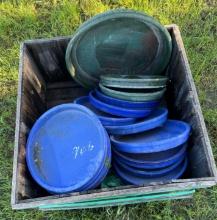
<point>78,151</point>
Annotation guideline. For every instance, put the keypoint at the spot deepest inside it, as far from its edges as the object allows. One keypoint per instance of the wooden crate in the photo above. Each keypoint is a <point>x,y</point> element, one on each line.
<point>44,82</point>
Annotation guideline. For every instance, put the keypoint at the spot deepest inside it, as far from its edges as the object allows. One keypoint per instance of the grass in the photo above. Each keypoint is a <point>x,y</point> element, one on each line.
<point>20,20</point>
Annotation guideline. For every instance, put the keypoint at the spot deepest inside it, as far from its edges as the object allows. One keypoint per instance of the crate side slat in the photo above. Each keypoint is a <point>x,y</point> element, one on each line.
<point>17,129</point>
<point>30,105</point>
<point>50,58</point>
<point>206,142</point>
<point>48,40</point>
<point>156,188</point>
<point>62,84</point>
<point>64,95</point>
<point>35,78</point>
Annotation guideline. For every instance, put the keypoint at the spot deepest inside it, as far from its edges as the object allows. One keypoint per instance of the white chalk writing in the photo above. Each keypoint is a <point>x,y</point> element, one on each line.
<point>80,150</point>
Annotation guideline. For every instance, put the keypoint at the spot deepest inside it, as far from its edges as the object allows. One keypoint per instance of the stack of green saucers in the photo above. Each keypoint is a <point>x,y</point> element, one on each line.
<point>136,88</point>
<point>120,42</point>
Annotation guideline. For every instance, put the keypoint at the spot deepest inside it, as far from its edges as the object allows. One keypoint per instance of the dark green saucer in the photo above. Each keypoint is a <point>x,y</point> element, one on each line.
<point>118,41</point>
<point>134,81</point>
<point>133,96</point>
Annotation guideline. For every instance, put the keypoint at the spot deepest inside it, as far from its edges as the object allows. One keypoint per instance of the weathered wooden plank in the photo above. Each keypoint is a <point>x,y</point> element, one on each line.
<point>30,104</point>
<point>197,156</point>
<point>65,93</point>
<point>26,184</point>
<point>33,75</point>
<point>14,190</point>
<point>50,58</point>
<point>157,188</point>
<point>51,104</point>
<point>211,168</point>
<point>60,84</point>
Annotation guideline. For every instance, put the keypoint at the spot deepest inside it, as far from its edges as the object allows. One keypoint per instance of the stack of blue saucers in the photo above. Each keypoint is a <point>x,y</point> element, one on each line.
<point>62,156</point>
<point>121,120</point>
<point>147,147</point>
<point>152,156</point>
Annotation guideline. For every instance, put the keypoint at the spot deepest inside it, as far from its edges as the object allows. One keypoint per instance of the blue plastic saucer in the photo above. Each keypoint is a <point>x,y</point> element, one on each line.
<point>151,160</point>
<point>149,173</point>
<point>157,118</point>
<point>102,173</point>
<point>105,118</point>
<point>59,149</point>
<point>138,181</point>
<point>170,135</point>
<point>115,110</point>
<point>123,103</point>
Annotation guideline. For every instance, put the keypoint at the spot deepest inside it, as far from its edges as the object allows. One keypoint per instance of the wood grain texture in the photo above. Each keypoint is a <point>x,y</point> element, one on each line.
<point>56,96</point>
<point>187,108</point>
<point>44,82</point>
<point>30,105</point>
<point>50,58</point>
<point>119,192</point>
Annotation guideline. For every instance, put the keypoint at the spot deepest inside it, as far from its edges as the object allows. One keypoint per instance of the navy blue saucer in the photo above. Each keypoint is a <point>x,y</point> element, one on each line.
<point>115,110</point>
<point>149,173</point>
<point>105,118</point>
<point>59,149</point>
<point>138,181</point>
<point>151,160</point>
<point>172,134</point>
<point>157,118</point>
<point>123,103</point>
